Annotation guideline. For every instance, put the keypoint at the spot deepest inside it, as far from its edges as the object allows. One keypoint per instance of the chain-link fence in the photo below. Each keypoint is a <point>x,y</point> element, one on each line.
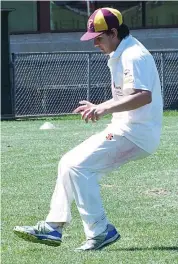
<point>53,83</point>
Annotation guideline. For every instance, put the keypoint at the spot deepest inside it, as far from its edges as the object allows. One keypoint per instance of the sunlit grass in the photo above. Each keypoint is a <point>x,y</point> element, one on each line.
<point>141,199</point>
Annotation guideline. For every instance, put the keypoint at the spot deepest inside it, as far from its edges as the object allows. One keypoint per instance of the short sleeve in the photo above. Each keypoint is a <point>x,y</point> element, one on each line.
<point>137,74</point>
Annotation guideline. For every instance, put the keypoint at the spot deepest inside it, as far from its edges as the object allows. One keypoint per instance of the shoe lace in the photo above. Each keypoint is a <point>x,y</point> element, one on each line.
<point>41,228</point>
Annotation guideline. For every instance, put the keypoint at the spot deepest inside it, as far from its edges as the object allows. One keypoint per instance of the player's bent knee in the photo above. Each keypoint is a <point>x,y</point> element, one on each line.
<point>65,164</point>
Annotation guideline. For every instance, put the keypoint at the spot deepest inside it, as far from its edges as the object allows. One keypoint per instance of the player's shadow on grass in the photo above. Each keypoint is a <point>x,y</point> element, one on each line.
<point>145,249</point>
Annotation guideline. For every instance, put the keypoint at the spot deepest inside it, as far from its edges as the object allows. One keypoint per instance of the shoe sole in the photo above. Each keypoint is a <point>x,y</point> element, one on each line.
<point>34,239</point>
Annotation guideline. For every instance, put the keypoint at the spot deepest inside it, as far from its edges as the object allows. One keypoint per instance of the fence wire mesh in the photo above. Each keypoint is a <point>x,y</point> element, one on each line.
<point>54,83</point>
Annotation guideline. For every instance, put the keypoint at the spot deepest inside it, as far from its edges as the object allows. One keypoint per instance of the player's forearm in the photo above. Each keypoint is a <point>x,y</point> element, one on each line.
<point>107,102</point>
<point>127,103</point>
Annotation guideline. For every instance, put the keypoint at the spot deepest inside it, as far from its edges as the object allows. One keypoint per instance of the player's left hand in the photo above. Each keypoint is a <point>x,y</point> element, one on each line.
<point>94,113</point>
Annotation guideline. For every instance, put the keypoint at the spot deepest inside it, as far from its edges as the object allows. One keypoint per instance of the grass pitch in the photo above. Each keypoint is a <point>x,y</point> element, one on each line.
<point>141,199</point>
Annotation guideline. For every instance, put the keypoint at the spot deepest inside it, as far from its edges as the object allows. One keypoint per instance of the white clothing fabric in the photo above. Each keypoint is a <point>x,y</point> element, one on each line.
<point>131,135</point>
<point>79,173</point>
<point>133,67</point>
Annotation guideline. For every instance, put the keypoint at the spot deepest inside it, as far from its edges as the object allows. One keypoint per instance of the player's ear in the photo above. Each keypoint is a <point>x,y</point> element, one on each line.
<point>114,32</point>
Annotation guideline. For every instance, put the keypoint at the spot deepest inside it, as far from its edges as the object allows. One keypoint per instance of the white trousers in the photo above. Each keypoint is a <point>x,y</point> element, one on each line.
<point>79,172</point>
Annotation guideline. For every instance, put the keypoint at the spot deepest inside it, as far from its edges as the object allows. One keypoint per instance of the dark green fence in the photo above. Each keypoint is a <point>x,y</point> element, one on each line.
<point>53,83</point>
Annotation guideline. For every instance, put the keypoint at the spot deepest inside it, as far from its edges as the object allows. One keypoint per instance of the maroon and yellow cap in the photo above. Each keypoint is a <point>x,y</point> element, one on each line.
<point>101,20</point>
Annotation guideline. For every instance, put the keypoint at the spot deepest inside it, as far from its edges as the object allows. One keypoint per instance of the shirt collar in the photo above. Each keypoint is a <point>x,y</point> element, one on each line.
<point>121,47</point>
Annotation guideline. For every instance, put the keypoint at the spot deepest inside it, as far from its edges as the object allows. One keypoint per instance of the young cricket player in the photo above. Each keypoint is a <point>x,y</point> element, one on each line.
<point>134,133</point>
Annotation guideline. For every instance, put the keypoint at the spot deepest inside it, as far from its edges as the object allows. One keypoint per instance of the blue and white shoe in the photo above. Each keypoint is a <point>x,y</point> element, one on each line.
<point>109,236</point>
<point>41,233</point>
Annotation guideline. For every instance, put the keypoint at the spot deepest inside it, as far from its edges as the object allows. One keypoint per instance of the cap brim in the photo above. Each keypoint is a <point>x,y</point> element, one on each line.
<point>90,36</point>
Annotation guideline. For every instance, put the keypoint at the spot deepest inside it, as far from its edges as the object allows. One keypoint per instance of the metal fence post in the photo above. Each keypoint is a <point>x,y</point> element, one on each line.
<point>89,77</point>
<point>12,65</point>
<point>163,77</point>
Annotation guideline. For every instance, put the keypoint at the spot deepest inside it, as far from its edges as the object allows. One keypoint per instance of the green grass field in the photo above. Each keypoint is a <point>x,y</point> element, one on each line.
<point>141,199</point>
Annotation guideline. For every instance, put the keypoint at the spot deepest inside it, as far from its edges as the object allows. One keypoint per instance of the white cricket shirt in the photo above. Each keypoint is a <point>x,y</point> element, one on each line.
<point>133,67</point>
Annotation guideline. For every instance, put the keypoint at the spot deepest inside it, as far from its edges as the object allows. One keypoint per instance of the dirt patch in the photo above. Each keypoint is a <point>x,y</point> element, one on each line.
<point>157,191</point>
